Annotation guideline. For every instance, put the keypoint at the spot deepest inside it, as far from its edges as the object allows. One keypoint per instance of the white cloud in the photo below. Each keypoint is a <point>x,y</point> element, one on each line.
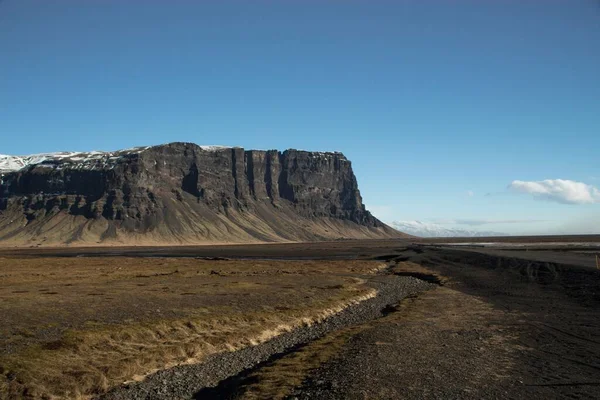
<point>470,193</point>
<point>559,190</point>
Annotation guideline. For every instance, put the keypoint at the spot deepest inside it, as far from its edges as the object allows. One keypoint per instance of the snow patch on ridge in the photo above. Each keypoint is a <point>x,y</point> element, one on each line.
<point>215,148</point>
<point>76,159</point>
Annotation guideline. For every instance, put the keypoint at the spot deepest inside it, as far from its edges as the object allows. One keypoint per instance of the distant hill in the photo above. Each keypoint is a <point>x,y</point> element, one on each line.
<point>181,193</point>
<point>426,229</point>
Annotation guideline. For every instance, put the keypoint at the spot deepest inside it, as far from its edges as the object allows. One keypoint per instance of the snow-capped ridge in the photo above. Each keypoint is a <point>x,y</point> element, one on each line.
<point>428,229</point>
<point>215,147</point>
<point>77,159</point>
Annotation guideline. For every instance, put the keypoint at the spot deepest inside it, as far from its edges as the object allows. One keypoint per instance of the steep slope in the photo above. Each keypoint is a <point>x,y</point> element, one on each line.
<point>181,193</point>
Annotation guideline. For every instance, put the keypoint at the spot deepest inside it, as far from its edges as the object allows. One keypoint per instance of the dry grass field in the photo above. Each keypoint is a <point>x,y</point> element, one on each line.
<point>74,327</point>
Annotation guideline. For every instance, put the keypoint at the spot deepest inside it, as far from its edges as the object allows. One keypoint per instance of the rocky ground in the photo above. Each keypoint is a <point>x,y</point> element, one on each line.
<point>209,379</point>
<point>504,330</point>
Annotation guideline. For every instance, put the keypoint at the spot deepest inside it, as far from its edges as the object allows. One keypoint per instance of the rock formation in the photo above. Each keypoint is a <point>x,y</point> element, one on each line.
<point>181,193</point>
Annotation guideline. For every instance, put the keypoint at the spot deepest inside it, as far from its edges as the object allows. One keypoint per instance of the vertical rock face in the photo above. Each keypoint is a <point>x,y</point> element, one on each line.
<point>182,189</point>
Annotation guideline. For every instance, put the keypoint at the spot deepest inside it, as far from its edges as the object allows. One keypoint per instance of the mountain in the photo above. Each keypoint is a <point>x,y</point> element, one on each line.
<point>181,193</point>
<point>426,229</point>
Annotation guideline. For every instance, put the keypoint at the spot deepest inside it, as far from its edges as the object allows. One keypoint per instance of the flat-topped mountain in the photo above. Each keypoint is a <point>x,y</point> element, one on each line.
<point>181,193</point>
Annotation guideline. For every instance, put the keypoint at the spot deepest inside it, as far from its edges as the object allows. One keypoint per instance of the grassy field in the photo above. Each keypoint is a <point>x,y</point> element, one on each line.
<point>74,327</point>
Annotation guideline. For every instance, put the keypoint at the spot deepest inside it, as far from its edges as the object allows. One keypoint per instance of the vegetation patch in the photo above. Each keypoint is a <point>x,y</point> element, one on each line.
<point>101,328</point>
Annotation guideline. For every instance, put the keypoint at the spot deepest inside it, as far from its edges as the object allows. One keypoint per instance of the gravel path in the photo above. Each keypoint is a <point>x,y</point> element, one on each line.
<point>184,382</point>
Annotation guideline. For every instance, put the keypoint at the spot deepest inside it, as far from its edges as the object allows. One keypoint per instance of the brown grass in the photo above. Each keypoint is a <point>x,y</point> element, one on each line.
<point>76,327</point>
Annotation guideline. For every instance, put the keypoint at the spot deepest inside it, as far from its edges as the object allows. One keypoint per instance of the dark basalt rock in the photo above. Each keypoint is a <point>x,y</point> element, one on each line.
<point>136,190</point>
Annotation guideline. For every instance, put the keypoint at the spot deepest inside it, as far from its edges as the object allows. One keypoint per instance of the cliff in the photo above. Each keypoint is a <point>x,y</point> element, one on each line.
<point>181,193</point>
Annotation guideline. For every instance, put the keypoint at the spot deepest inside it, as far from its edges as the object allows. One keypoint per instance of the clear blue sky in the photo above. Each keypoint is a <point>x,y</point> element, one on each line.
<point>439,104</point>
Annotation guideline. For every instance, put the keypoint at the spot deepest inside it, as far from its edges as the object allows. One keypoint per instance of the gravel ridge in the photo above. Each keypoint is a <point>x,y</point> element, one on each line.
<point>183,382</point>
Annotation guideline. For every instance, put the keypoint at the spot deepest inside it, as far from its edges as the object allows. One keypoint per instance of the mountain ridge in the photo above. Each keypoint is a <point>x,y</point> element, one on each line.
<point>182,193</point>
<point>427,229</point>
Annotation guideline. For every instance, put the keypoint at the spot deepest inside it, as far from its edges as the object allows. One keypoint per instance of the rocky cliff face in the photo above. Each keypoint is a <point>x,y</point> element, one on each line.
<point>181,193</point>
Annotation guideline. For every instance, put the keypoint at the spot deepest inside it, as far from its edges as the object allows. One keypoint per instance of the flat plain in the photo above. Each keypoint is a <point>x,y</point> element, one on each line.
<point>76,326</point>
<point>510,319</point>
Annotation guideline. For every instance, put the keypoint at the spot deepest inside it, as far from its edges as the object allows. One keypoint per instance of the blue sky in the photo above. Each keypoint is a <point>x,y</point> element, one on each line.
<point>440,105</point>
